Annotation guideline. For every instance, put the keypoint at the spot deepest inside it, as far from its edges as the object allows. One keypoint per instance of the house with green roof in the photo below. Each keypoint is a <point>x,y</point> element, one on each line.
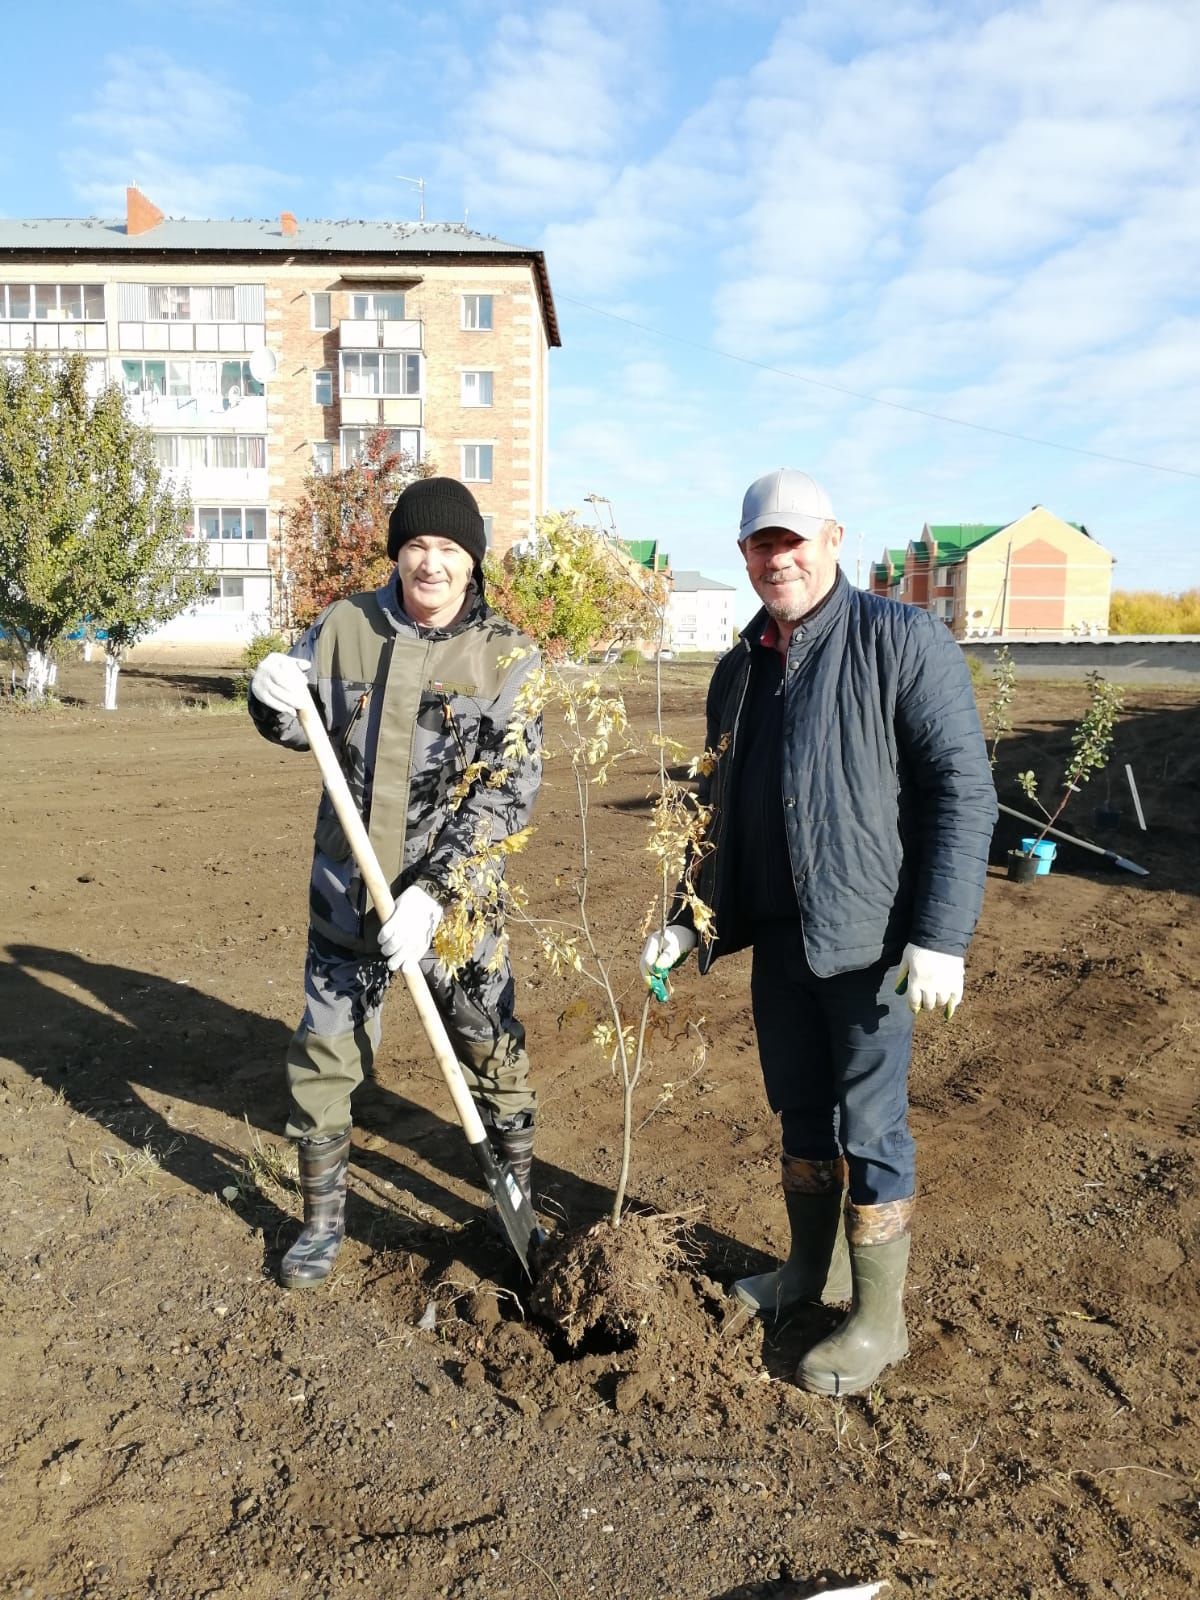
<point>1035,578</point>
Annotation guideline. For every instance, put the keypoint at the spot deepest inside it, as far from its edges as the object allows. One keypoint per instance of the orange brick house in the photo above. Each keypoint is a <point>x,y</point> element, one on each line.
<point>257,351</point>
<point>1035,578</point>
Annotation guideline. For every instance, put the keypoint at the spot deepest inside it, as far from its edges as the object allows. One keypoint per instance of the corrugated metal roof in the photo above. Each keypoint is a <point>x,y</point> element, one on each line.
<point>257,237</point>
<point>688,582</point>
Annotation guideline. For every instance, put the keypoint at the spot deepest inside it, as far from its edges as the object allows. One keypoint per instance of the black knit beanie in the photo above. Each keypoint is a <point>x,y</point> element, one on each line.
<point>442,508</point>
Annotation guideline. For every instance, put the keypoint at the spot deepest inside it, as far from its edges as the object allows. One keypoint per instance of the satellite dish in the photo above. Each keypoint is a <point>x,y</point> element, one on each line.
<point>263,364</point>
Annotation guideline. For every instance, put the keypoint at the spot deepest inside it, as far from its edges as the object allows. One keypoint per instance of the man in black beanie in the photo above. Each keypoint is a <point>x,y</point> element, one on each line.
<point>418,688</point>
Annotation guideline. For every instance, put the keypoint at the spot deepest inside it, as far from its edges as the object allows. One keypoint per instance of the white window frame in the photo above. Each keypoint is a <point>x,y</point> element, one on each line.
<point>350,455</point>
<point>472,310</point>
<point>472,464</point>
<point>489,523</point>
<point>364,307</point>
<point>222,512</point>
<point>325,374</point>
<point>322,457</point>
<point>354,366</point>
<point>472,387</point>
<point>315,298</point>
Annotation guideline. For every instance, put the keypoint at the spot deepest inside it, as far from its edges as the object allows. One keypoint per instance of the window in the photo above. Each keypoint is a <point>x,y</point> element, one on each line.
<point>477,463</point>
<point>322,457</point>
<point>381,372</point>
<point>233,593</point>
<point>487,531</point>
<point>323,387</point>
<point>942,576</point>
<point>476,388</point>
<point>220,384</point>
<point>477,311</point>
<point>321,306</point>
<point>189,302</point>
<point>144,377</point>
<point>240,451</point>
<point>386,307</point>
<point>231,522</point>
<point>405,441</point>
<point>52,302</point>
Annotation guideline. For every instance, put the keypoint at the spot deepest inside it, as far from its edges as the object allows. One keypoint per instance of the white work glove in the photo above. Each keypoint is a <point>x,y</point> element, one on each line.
<point>662,951</point>
<point>279,682</point>
<point>409,931</point>
<point>934,981</point>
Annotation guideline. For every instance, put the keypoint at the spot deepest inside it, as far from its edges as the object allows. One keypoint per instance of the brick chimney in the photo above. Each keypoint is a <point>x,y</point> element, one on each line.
<point>287,222</point>
<point>140,214</point>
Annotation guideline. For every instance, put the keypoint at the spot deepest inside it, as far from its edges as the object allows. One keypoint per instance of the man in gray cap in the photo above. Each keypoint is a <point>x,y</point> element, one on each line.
<point>853,808</point>
<point>417,683</point>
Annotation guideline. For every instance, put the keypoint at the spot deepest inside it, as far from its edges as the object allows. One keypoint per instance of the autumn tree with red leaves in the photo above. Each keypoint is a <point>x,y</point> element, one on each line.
<point>335,536</point>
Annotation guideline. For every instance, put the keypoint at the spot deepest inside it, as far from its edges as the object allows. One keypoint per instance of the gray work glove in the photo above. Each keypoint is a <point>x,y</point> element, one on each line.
<point>409,931</point>
<point>279,682</point>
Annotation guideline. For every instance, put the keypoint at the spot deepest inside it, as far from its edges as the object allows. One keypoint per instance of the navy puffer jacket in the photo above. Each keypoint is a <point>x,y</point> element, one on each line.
<point>888,798</point>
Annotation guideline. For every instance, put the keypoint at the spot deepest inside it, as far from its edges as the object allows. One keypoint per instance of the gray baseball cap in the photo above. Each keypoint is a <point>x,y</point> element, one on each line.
<point>785,499</point>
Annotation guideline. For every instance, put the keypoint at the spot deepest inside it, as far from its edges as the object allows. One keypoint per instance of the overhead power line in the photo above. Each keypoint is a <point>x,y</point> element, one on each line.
<point>878,400</point>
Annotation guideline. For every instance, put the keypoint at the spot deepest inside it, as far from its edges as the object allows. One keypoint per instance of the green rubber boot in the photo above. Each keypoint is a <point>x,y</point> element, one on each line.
<point>873,1336</point>
<point>818,1264</point>
<point>324,1168</point>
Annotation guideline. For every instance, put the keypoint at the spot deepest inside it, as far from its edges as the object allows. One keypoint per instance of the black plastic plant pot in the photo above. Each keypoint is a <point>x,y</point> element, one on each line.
<point>1022,868</point>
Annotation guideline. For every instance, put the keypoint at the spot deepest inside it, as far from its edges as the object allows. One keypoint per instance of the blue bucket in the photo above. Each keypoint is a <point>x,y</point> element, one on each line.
<point>1045,850</point>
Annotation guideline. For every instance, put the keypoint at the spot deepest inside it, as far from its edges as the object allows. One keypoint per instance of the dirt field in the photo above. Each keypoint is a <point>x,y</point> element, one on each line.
<point>177,1425</point>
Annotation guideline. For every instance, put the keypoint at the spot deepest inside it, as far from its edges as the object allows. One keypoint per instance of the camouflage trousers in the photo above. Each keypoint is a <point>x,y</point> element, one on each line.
<point>334,1047</point>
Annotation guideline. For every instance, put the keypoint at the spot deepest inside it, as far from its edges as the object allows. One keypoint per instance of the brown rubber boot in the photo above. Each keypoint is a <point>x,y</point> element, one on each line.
<point>324,1168</point>
<point>818,1265</point>
<point>873,1336</point>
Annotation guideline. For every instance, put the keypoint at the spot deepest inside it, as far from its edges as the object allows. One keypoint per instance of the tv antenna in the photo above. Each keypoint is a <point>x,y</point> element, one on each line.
<point>419,184</point>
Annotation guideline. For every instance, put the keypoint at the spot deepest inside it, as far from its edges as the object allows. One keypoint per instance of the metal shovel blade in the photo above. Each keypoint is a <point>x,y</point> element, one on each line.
<point>515,1212</point>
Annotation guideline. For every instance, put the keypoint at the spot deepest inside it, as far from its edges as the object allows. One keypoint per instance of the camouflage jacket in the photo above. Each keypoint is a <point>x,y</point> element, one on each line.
<point>409,710</point>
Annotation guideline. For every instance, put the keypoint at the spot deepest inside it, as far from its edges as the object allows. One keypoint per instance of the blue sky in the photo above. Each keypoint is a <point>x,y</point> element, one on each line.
<point>760,221</point>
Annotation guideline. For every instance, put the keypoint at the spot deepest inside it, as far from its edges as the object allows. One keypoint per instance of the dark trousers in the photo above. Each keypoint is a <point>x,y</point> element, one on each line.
<point>835,1054</point>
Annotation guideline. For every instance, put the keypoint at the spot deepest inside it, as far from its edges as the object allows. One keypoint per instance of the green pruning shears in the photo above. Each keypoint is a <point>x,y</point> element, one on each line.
<point>656,980</point>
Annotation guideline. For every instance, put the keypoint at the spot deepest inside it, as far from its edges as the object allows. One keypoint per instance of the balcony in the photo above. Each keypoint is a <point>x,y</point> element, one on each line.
<point>246,485</point>
<point>47,335</point>
<point>232,336</point>
<point>170,412</point>
<point>360,411</point>
<point>378,333</point>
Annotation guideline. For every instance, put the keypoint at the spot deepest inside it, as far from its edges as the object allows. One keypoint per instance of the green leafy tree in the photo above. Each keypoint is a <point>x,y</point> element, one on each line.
<point>89,531</point>
<point>335,536</point>
<point>48,472</point>
<point>143,566</point>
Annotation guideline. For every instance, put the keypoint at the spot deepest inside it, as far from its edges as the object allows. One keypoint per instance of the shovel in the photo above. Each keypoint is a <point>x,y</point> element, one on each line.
<point>1110,856</point>
<point>514,1211</point>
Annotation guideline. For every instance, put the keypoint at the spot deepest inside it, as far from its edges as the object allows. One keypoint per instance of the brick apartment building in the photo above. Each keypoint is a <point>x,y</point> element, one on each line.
<point>259,350</point>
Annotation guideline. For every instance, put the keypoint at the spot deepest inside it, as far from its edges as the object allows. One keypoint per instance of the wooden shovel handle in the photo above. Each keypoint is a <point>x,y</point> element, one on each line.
<point>378,888</point>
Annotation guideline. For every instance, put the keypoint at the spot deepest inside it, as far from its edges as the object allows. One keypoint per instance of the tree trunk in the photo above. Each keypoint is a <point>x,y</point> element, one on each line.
<point>37,674</point>
<point>87,649</point>
<point>112,668</point>
<point>52,674</point>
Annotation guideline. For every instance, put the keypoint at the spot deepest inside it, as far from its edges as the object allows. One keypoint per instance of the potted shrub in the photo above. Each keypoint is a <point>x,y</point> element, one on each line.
<point>1091,745</point>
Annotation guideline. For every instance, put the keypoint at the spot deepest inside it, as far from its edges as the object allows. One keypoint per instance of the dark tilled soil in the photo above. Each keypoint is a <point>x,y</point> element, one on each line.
<point>177,1425</point>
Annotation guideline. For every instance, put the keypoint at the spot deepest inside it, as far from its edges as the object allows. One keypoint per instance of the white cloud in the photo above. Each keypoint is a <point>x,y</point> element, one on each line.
<point>174,132</point>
